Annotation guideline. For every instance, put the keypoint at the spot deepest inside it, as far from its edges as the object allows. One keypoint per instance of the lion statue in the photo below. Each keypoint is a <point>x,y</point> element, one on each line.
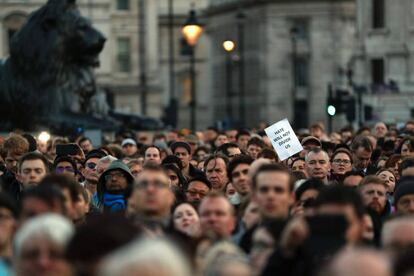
<point>50,67</point>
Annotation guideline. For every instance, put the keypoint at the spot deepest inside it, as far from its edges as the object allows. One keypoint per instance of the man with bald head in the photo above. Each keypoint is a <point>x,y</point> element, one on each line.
<point>359,262</point>
<point>317,164</point>
<point>397,235</point>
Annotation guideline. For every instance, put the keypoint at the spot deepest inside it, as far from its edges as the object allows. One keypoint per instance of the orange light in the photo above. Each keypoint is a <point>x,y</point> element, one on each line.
<point>192,29</point>
<point>192,33</point>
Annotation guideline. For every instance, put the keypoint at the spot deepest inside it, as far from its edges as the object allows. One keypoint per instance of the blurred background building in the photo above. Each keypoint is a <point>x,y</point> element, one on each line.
<point>285,55</point>
<point>383,59</point>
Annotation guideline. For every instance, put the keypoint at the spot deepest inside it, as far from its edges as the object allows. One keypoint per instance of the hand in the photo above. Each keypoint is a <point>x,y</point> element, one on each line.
<point>294,234</point>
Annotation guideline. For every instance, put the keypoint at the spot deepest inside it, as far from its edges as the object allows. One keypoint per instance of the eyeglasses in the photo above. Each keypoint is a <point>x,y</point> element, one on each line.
<point>112,175</point>
<point>63,169</point>
<point>342,161</point>
<point>91,165</point>
<point>144,184</point>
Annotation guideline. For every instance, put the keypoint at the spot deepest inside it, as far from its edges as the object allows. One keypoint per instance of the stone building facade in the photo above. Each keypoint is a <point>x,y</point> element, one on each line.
<point>181,60</point>
<point>292,50</point>
<point>383,61</point>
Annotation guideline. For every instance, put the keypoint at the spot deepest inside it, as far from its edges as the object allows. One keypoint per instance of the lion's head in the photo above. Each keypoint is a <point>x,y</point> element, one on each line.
<point>51,61</point>
<point>57,35</point>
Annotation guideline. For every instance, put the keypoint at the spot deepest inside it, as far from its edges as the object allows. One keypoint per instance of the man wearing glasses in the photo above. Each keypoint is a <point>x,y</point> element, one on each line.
<point>152,198</point>
<point>114,186</point>
<point>89,172</point>
<point>197,189</point>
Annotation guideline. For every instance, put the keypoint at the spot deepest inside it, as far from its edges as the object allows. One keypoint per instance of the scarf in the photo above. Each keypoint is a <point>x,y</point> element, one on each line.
<point>114,203</point>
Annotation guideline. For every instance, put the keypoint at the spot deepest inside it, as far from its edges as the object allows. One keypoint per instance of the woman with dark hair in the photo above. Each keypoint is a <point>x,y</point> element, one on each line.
<point>201,153</point>
<point>381,162</point>
<point>298,164</point>
<point>341,163</point>
<point>406,147</point>
<point>177,178</point>
<point>185,219</point>
<point>393,163</point>
<point>65,165</point>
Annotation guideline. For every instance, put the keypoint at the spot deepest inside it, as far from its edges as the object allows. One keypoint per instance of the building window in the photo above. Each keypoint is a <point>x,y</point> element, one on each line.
<point>301,72</point>
<point>300,29</point>
<point>124,54</point>
<point>377,71</point>
<point>122,5</point>
<point>378,14</point>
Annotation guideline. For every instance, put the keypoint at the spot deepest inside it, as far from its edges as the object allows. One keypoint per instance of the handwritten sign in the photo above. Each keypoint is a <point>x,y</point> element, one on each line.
<point>284,139</point>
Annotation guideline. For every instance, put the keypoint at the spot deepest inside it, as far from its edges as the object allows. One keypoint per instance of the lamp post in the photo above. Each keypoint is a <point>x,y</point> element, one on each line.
<point>229,46</point>
<point>293,36</point>
<point>240,17</point>
<point>142,48</point>
<point>192,31</point>
<point>171,63</point>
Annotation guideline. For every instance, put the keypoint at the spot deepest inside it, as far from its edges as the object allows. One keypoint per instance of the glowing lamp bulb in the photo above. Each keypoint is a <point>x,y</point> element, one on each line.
<point>44,136</point>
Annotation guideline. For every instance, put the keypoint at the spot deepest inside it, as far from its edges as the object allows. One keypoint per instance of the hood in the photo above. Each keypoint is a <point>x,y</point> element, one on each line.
<point>115,165</point>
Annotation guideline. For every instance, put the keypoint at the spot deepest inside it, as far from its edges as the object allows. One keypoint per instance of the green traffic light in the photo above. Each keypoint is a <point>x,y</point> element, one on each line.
<point>331,110</point>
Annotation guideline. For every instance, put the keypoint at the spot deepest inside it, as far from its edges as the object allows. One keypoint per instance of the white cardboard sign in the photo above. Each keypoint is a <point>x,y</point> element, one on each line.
<point>284,139</point>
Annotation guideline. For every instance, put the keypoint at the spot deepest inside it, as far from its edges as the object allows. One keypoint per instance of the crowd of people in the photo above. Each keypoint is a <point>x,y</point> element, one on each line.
<point>212,202</point>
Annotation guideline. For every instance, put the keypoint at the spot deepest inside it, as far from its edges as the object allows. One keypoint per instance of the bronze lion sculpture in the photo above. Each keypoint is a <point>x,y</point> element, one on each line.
<point>50,67</point>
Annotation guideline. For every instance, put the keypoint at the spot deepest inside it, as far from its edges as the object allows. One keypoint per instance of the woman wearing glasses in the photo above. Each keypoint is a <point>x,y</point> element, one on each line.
<point>65,165</point>
<point>341,163</point>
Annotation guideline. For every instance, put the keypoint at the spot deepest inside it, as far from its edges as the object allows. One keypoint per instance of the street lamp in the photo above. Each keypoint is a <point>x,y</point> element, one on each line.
<point>293,36</point>
<point>192,31</point>
<point>229,46</point>
<point>171,112</point>
<point>240,19</point>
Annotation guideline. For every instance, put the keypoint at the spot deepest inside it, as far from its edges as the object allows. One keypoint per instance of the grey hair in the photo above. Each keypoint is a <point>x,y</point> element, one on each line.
<point>107,159</point>
<point>222,254</point>
<point>357,261</point>
<point>316,151</point>
<point>53,227</point>
<point>154,256</point>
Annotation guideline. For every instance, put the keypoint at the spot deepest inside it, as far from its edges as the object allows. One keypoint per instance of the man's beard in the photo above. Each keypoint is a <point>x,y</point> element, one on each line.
<point>116,191</point>
<point>376,206</point>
